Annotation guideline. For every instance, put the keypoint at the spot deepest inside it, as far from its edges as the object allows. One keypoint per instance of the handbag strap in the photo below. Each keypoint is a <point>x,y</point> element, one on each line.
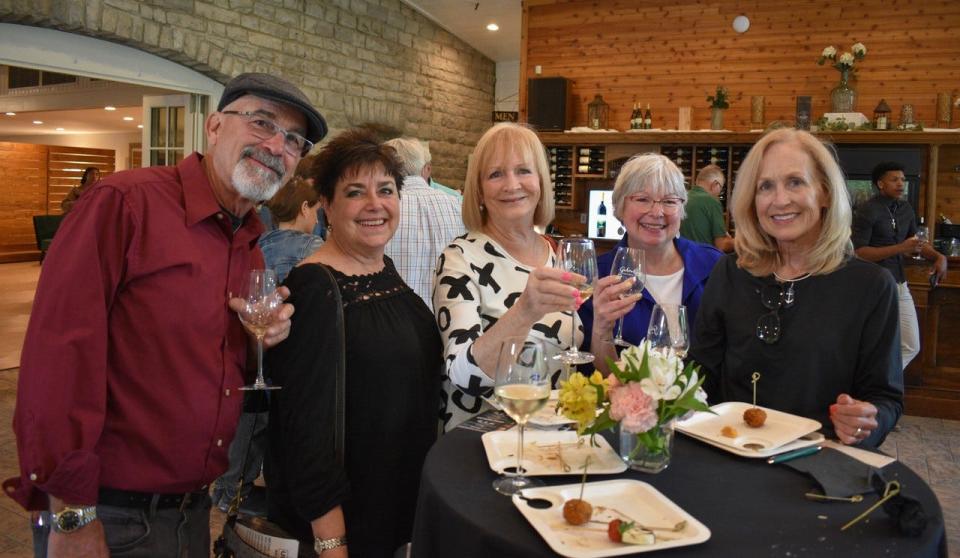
<point>340,388</point>
<point>341,384</point>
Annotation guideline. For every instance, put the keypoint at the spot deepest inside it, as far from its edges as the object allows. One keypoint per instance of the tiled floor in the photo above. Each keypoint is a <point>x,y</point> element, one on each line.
<point>931,447</point>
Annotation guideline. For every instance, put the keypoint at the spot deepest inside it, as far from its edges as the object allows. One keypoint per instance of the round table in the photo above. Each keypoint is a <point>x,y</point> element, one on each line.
<point>752,508</point>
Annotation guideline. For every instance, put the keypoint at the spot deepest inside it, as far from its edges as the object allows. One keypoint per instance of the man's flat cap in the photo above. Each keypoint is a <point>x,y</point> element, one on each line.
<point>275,89</point>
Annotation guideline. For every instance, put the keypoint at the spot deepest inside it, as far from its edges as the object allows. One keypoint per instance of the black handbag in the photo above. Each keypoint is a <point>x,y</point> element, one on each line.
<point>229,544</point>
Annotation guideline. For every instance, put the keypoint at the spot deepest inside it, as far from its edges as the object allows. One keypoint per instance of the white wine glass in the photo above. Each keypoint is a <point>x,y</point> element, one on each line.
<point>923,235</point>
<point>578,255</point>
<point>522,388</point>
<point>668,330</point>
<point>261,304</point>
<point>628,263</point>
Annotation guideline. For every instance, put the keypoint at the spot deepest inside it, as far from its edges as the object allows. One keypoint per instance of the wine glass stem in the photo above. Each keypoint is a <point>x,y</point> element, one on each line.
<point>573,332</point>
<point>620,329</point>
<point>260,381</point>
<point>520,471</point>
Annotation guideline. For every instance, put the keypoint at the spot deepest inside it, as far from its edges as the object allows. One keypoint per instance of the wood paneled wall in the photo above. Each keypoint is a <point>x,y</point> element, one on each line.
<point>23,183</point>
<point>34,179</point>
<point>65,166</point>
<point>673,54</point>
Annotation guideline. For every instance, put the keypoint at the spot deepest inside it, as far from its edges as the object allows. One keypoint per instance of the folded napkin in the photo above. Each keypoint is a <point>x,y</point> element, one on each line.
<point>839,475</point>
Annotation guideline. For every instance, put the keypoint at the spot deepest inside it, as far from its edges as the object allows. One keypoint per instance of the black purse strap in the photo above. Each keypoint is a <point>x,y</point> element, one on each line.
<point>341,383</point>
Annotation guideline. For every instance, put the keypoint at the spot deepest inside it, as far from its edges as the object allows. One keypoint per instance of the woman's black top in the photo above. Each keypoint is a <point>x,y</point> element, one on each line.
<point>393,373</point>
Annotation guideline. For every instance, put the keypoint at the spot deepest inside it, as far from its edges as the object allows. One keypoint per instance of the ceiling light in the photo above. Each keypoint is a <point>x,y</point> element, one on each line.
<point>128,118</point>
<point>492,27</point>
<point>11,114</point>
<point>38,121</point>
<point>741,23</point>
<point>60,129</point>
<point>109,108</point>
<point>139,125</point>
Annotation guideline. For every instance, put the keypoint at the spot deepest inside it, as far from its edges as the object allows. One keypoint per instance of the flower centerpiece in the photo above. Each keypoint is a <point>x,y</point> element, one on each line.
<point>646,391</point>
<point>843,96</point>
<point>718,104</point>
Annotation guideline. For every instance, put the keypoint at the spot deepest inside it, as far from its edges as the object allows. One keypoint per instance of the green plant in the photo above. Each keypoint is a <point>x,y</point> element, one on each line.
<point>720,99</point>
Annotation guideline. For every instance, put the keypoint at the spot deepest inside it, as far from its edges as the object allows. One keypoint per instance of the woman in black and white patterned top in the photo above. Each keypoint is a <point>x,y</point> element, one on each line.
<point>499,279</point>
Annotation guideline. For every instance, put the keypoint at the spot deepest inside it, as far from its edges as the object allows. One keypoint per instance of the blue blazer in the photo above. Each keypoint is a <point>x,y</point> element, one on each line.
<point>698,261</point>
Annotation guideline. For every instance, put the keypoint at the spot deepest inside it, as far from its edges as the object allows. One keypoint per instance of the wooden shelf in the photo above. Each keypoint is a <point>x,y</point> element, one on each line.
<point>928,138</point>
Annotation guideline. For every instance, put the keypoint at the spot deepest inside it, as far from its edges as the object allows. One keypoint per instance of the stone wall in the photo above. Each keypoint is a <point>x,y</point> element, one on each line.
<point>360,61</point>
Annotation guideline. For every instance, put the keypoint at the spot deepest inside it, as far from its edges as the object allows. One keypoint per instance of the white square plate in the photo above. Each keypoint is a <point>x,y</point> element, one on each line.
<point>779,430</point>
<point>550,452</point>
<point>611,499</point>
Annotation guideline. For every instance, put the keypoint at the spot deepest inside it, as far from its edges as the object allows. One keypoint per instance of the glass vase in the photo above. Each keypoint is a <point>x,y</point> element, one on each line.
<point>716,119</point>
<point>650,451</point>
<point>843,97</point>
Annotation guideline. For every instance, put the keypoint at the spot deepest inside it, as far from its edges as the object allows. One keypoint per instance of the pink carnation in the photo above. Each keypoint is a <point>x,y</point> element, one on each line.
<point>636,411</point>
<point>612,380</point>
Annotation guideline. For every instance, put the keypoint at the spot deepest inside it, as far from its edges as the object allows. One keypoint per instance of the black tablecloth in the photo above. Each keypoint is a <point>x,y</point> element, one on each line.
<point>751,508</point>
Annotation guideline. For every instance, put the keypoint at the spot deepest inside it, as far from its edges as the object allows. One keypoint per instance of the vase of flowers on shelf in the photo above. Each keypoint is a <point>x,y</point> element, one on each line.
<point>646,391</point>
<point>718,104</point>
<point>843,97</point>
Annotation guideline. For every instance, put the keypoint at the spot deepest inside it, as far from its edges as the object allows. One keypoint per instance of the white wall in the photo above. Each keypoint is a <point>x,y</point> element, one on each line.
<point>507,91</point>
<point>120,143</point>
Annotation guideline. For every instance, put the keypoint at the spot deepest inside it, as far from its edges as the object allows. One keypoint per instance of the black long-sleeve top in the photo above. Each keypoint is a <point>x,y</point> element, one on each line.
<point>840,335</point>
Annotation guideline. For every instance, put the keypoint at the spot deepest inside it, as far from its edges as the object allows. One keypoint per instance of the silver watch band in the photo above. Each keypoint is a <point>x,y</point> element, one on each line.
<point>319,545</point>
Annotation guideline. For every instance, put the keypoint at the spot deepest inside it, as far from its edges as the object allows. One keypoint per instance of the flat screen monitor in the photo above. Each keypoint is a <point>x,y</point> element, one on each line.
<point>601,224</point>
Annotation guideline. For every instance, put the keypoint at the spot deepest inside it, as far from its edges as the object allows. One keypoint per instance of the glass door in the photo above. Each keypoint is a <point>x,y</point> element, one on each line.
<point>172,128</point>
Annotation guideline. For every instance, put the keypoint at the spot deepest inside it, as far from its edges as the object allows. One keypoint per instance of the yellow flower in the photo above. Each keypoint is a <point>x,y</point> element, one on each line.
<point>579,397</point>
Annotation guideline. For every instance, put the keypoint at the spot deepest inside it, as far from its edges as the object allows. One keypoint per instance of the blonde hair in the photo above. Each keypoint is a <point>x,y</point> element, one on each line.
<point>652,173</point>
<point>757,251</point>
<point>494,144</point>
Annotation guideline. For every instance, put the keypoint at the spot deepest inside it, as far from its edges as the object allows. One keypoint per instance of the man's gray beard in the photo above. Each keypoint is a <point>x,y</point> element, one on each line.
<point>254,182</point>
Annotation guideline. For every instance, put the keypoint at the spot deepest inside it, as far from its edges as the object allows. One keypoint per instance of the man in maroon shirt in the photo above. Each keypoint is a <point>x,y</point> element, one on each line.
<point>127,397</point>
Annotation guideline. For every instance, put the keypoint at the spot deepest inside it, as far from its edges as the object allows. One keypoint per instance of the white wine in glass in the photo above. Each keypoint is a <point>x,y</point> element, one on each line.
<point>668,330</point>
<point>522,388</point>
<point>261,304</point>
<point>628,264</point>
<point>923,235</point>
<point>578,256</point>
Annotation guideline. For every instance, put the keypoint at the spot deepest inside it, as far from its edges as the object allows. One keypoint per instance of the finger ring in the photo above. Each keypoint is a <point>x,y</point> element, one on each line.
<point>857,433</point>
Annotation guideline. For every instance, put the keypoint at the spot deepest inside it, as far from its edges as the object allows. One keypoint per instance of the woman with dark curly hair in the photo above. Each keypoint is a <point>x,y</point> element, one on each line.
<point>393,364</point>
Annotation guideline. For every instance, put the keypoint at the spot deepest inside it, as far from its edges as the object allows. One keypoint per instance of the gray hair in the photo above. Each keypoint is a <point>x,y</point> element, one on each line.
<point>411,153</point>
<point>652,173</point>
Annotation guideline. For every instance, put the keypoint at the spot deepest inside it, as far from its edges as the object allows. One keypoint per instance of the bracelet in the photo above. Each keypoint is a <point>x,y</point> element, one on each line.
<point>319,545</point>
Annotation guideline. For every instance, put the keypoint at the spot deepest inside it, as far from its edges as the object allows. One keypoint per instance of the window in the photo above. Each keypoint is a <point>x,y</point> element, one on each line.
<point>19,78</point>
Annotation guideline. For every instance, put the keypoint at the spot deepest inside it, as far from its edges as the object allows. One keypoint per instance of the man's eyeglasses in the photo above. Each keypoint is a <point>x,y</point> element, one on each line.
<point>670,206</point>
<point>773,298</point>
<point>263,129</point>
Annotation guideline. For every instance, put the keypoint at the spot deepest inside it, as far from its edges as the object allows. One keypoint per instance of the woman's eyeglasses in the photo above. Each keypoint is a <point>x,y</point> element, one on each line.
<point>773,298</point>
<point>670,206</point>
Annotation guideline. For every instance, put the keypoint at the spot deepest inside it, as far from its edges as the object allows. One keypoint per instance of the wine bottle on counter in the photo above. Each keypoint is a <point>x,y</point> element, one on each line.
<point>635,117</point>
<point>602,218</point>
<point>647,119</point>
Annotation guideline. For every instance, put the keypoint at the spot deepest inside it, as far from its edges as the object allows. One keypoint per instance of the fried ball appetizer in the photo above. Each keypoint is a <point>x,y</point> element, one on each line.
<point>754,417</point>
<point>577,511</point>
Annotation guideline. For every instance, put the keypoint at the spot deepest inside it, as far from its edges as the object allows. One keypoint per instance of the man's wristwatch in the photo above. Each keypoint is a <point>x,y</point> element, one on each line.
<point>69,520</point>
<point>319,545</point>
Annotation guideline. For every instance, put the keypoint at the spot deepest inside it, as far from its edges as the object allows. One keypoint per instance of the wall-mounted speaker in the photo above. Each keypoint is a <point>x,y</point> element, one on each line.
<point>549,107</point>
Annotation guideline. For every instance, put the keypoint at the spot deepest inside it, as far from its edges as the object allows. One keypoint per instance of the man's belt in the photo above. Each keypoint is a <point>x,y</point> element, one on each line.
<point>146,500</point>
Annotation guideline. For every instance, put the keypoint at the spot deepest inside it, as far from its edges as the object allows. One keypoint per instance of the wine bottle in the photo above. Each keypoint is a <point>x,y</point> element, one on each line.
<point>635,117</point>
<point>647,119</point>
<point>602,218</point>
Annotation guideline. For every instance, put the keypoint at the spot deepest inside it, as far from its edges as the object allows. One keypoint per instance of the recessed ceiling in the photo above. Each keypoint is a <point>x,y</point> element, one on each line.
<point>77,121</point>
<point>468,20</point>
